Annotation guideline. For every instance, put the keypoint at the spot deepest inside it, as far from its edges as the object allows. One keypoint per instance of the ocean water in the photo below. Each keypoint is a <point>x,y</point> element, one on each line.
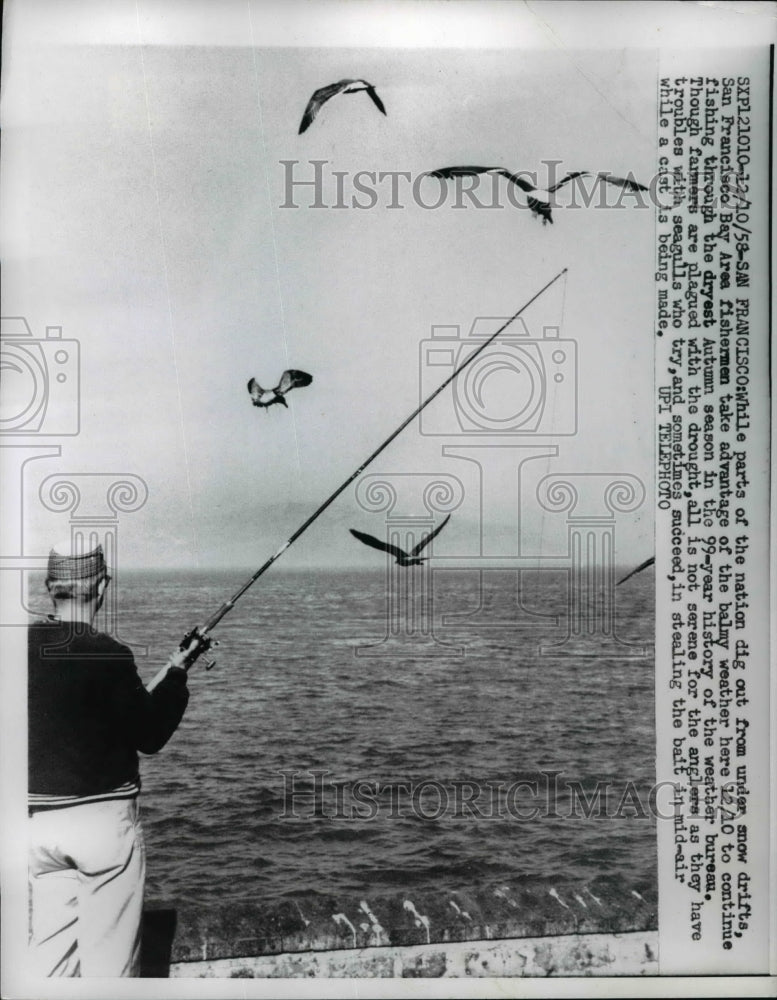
<point>477,702</point>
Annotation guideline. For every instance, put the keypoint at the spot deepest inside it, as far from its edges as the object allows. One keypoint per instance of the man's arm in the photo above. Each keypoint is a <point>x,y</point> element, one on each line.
<point>150,718</point>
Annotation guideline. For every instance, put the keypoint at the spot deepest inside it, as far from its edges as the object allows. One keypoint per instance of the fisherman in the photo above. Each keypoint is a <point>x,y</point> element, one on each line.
<point>89,714</point>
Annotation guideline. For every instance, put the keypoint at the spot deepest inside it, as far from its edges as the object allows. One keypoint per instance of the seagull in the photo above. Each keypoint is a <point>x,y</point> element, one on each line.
<point>403,558</point>
<point>539,207</point>
<point>644,565</point>
<point>289,380</point>
<point>321,96</point>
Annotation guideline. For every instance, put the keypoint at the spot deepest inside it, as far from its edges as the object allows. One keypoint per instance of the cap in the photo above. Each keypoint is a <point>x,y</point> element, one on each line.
<point>68,561</point>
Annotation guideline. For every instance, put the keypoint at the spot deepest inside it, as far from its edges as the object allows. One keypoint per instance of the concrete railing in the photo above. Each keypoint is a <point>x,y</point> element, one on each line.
<point>251,936</point>
<point>632,954</point>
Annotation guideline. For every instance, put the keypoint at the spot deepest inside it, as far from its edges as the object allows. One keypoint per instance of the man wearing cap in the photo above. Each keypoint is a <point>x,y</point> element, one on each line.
<point>89,715</point>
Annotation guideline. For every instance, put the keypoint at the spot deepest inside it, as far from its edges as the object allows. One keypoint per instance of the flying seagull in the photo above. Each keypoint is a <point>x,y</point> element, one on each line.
<point>321,96</point>
<point>403,558</point>
<point>644,565</point>
<point>538,206</point>
<point>289,380</point>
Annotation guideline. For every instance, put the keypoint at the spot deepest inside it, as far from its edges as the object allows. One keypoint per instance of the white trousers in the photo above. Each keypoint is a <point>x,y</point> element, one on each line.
<point>87,868</point>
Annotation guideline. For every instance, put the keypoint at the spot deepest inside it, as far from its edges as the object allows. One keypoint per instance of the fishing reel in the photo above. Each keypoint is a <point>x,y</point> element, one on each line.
<point>203,644</point>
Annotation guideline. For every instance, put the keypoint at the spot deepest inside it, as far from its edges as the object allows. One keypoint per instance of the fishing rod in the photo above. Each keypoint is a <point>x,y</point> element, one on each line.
<point>198,641</point>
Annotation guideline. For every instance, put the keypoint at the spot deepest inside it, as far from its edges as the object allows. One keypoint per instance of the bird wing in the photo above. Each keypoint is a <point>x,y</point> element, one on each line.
<point>292,379</point>
<point>625,182</point>
<point>319,98</point>
<point>541,208</point>
<point>644,565</point>
<point>255,389</point>
<point>447,172</point>
<point>375,99</point>
<point>522,183</point>
<point>468,171</point>
<point>376,543</point>
<point>427,538</point>
<point>569,177</point>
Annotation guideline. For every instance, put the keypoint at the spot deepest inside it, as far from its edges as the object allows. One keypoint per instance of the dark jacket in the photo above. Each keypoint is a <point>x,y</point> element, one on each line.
<point>89,712</point>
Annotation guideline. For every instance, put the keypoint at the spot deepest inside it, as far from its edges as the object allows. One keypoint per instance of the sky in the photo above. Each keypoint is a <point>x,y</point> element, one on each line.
<point>142,195</point>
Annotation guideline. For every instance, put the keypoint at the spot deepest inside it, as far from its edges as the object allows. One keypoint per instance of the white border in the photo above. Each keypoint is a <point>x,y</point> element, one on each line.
<point>565,26</point>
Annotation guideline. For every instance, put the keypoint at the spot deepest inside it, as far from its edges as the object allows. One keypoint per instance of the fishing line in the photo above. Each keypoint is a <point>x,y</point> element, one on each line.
<point>549,458</point>
<point>198,640</point>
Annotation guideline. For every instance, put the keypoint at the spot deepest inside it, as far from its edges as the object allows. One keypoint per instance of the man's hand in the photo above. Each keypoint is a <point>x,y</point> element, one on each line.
<point>193,645</point>
<point>181,656</point>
